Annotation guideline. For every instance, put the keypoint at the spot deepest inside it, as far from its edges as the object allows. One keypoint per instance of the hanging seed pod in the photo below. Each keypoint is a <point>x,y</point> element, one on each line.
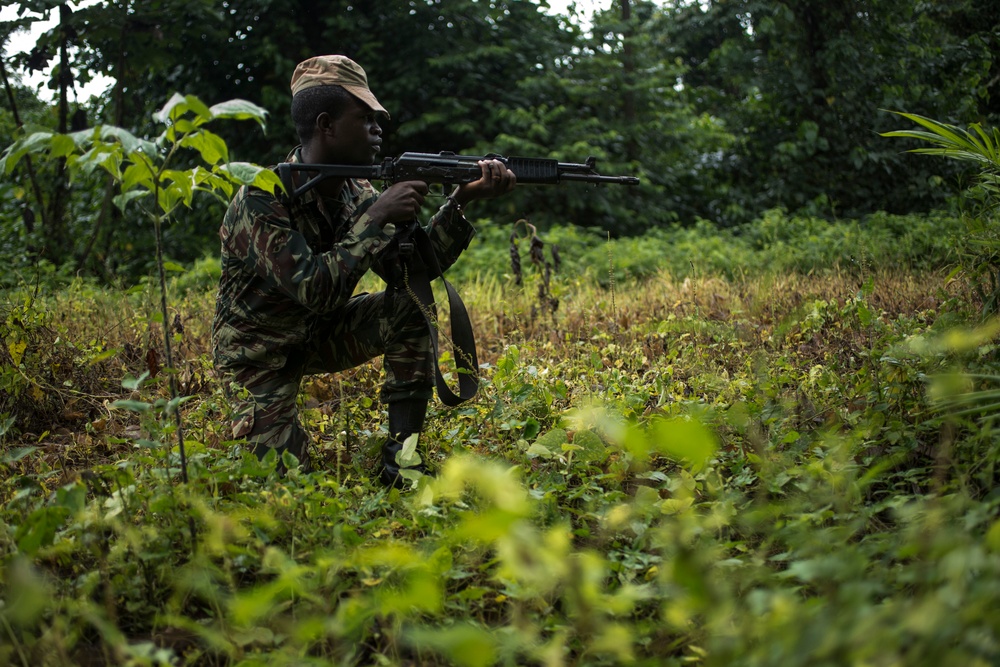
<point>556,259</point>
<point>537,248</point>
<point>515,257</point>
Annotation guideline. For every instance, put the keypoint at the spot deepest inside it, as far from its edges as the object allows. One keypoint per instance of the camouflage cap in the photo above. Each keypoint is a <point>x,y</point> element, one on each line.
<point>335,71</point>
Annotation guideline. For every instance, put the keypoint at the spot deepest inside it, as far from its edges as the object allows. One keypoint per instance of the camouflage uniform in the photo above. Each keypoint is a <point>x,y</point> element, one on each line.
<point>286,307</point>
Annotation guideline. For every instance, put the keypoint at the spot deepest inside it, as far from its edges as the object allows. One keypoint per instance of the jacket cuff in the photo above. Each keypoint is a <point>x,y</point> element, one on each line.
<point>368,235</point>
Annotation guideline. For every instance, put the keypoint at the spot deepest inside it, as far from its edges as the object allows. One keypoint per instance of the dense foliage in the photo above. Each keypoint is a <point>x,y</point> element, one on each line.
<point>725,109</point>
<point>759,468</point>
<point>764,443</point>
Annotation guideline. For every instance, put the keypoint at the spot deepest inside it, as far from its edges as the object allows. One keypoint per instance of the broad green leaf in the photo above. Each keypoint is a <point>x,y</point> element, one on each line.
<point>486,526</point>
<point>238,109</point>
<point>419,591</point>
<point>33,143</point>
<point>553,439</point>
<point>539,451</point>
<point>84,138</point>
<point>864,314</point>
<point>993,537</point>
<point>636,442</point>
<point>107,156</point>
<point>182,182</point>
<point>138,174</point>
<point>251,605</point>
<point>246,173</point>
<point>531,428</point>
<point>168,196</point>
<point>121,201</point>
<point>214,184</point>
<point>211,146</point>
<point>676,505</point>
<point>134,406</point>
<point>72,496</point>
<point>16,350</point>
<point>62,146</point>
<point>408,457</point>
<point>687,440</point>
<point>5,425</point>
<point>615,639</point>
<point>462,644</point>
<point>200,109</point>
<point>26,593</point>
<point>130,143</point>
<point>183,126</point>
<point>17,453</point>
<point>268,181</point>
<point>592,448</point>
<point>177,104</point>
<point>39,529</point>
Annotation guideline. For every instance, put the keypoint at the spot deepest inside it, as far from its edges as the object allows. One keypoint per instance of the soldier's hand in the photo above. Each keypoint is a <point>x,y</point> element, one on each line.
<point>496,180</point>
<point>400,202</point>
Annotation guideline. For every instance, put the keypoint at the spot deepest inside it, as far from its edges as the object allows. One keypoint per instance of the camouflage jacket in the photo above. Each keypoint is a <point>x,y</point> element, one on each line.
<point>285,268</point>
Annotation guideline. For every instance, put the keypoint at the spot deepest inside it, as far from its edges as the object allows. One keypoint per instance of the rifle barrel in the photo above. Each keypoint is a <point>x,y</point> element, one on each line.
<point>599,178</point>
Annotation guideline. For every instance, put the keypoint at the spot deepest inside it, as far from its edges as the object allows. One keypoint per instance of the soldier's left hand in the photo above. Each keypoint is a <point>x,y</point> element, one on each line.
<point>496,180</point>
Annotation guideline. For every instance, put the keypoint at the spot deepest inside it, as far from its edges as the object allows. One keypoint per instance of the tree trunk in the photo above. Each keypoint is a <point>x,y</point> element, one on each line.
<point>27,213</point>
<point>628,93</point>
<point>57,242</point>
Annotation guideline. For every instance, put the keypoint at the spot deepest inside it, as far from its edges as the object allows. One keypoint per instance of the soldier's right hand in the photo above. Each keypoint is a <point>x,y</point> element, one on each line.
<point>400,202</point>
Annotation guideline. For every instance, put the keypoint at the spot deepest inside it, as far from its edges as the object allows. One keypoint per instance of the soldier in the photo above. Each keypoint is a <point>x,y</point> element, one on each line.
<point>286,305</point>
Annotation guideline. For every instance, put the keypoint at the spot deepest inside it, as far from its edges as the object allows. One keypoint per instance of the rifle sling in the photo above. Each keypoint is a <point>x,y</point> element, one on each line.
<point>417,276</point>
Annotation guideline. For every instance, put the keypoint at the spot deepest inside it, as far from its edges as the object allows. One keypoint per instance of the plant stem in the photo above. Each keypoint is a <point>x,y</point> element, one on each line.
<point>17,644</point>
<point>158,228</point>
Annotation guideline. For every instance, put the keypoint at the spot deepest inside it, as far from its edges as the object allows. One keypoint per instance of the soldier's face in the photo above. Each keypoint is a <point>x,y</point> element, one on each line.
<point>357,136</point>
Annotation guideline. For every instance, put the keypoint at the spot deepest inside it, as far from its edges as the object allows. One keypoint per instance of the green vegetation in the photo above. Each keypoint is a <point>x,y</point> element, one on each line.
<point>696,467</point>
<point>726,109</point>
<point>741,415</point>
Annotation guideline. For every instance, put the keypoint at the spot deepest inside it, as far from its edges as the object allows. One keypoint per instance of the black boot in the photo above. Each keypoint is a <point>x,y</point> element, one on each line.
<point>296,447</point>
<point>406,417</point>
<point>389,474</point>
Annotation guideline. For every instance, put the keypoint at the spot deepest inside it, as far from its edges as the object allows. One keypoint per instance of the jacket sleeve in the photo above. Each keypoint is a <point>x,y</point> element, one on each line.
<point>257,231</point>
<point>450,233</point>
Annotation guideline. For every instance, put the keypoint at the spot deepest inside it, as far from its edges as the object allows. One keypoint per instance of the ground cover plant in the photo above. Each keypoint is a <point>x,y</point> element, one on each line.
<point>682,469</point>
<point>770,446</point>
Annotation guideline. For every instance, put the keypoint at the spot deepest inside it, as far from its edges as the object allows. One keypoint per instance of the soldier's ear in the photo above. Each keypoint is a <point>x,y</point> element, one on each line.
<point>325,124</point>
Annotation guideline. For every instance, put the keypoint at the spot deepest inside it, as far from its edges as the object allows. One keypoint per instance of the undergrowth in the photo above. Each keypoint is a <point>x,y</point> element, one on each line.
<point>706,466</point>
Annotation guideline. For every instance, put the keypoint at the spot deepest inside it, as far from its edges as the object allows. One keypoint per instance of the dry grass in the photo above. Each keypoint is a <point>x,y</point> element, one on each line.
<point>92,339</point>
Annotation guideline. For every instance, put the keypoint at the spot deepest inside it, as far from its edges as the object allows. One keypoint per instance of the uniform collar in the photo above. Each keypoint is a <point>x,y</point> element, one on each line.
<point>348,194</point>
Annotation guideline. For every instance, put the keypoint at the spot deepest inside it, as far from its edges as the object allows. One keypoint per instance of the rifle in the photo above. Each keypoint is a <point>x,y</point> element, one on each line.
<point>449,168</point>
<point>412,261</point>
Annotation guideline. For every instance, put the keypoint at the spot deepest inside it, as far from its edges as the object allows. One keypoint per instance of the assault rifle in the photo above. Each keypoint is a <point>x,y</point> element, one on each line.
<point>448,168</point>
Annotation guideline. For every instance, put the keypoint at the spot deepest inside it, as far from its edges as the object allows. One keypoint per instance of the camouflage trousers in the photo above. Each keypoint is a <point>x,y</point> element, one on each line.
<point>387,324</point>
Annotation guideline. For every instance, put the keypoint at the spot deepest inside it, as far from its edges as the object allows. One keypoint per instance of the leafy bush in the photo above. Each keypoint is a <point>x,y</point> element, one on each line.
<point>746,472</point>
<point>776,242</point>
